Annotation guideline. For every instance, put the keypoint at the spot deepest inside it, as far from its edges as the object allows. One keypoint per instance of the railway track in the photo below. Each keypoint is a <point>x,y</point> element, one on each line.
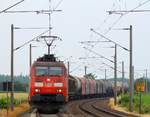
<point>90,107</point>
<point>35,113</point>
<point>82,108</point>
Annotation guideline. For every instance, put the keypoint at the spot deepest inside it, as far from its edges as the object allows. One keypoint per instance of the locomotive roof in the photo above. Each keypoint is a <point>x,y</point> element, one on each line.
<point>48,60</point>
<point>41,63</point>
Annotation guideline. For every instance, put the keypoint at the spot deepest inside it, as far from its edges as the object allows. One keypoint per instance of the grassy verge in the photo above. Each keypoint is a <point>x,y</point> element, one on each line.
<point>145,102</point>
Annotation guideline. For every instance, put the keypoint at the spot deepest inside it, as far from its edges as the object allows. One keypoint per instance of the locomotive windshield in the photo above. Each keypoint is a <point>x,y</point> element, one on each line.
<point>50,71</point>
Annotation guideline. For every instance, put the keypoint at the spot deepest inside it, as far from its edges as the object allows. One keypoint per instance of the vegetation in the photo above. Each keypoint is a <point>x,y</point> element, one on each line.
<point>20,83</point>
<point>19,78</point>
<point>90,76</point>
<point>145,102</point>
<point>18,99</point>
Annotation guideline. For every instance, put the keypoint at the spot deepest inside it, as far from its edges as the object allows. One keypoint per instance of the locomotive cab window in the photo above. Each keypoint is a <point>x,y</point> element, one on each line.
<point>50,71</point>
<point>41,71</point>
<point>55,71</point>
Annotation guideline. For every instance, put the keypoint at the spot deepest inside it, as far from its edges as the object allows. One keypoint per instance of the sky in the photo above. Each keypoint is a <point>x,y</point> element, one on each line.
<point>73,26</point>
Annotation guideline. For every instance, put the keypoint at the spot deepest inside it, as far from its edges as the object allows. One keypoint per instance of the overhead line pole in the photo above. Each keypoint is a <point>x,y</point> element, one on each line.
<point>131,72</point>
<point>146,79</point>
<point>12,67</point>
<point>115,76</point>
<point>105,74</point>
<point>30,55</point>
<point>68,67</point>
<point>85,70</point>
<point>123,77</point>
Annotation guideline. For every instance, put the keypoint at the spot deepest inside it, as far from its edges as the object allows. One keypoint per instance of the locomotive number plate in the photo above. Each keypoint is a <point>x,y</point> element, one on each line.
<point>48,84</point>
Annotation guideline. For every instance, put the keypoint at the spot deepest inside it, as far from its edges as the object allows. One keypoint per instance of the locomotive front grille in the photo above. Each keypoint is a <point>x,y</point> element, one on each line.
<point>48,98</point>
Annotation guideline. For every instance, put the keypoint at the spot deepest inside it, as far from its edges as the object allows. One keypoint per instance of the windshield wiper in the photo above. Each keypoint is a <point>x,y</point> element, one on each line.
<point>42,74</point>
<point>55,75</point>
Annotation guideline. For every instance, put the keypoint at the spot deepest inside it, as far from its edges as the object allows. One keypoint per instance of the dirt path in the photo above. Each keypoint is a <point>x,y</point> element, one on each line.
<point>17,110</point>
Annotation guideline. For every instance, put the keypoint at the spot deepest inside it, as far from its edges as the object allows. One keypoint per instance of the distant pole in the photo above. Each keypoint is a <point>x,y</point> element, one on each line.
<point>146,79</point>
<point>7,95</point>
<point>85,70</point>
<point>133,79</point>
<point>140,102</point>
<point>131,73</point>
<point>68,64</point>
<point>30,55</point>
<point>105,74</point>
<point>12,67</point>
<point>115,76</point>
<point>122,77</point>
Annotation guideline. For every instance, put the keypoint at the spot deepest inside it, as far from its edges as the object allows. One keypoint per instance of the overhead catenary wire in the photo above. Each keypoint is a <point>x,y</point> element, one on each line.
<point>101,25</point>
<point>111,67</point>
<point>123,14</point>
<point>127,11</point>
<point>32,11</point>
<point>31,27</point>
<point>34,39</point>
<point>104,22</point>
<point>109,39</point>
<point>11,6</point>
<point>114,23</point>
<point>49,12</point>
<point>98,54</point>
<point>76,68</point>
<point>107,17</point>
<point>58,4</point>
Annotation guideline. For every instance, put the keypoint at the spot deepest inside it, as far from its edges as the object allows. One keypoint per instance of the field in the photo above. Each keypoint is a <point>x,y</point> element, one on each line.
<point>20,102</point>
<point>16,95</point>
<point>18,99</point>
<point>145,102</point>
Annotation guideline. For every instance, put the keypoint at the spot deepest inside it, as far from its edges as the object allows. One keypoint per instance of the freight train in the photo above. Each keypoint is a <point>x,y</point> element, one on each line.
<point>50,84</point>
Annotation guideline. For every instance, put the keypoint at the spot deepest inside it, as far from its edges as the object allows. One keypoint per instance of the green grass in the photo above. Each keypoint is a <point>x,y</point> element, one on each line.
<point>145,102</point>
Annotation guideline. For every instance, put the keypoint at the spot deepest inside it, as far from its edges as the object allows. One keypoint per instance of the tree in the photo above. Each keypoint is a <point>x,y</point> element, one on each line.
<point>90,76</point>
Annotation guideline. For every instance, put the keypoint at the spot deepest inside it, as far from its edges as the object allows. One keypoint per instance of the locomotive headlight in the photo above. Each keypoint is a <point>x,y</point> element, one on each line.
<point>48,79</point>
<point>37,90</point>
<point>59,90</point>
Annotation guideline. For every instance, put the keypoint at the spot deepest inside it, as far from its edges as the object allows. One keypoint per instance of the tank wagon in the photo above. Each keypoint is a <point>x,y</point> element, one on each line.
<point>50,84</point>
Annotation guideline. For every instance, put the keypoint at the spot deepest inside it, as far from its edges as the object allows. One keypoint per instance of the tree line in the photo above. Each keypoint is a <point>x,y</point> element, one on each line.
<point>21,83</point>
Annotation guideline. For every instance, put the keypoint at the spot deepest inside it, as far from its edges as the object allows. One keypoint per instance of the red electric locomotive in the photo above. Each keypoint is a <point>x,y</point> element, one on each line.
<point>48,83</point>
